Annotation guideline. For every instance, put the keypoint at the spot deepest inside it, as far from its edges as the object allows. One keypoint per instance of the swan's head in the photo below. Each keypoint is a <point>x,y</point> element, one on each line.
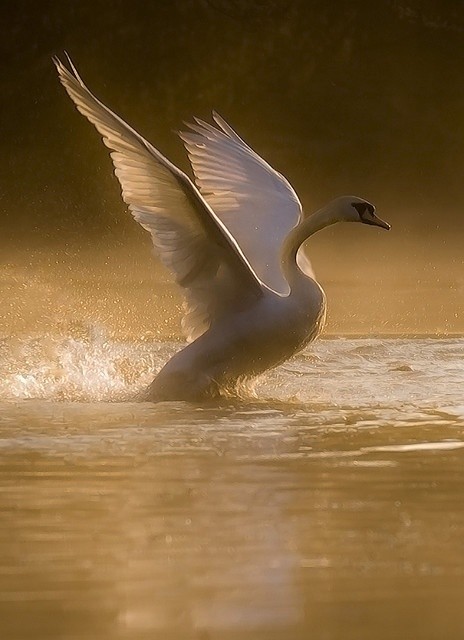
<point>353,209</point>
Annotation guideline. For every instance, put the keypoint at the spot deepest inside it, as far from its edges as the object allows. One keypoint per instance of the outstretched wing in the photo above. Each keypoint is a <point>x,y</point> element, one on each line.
<point>190,239</point>
<point>255,202</point>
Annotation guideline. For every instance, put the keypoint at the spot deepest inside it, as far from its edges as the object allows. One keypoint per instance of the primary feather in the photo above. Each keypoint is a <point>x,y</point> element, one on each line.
<point>190,239</point>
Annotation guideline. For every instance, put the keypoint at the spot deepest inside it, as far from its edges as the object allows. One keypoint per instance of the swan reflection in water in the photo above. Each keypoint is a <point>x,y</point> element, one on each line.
<point>233,242</point>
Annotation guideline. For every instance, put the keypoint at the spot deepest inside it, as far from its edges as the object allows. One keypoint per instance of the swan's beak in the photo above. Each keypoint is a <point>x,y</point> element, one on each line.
<point>378,222</point>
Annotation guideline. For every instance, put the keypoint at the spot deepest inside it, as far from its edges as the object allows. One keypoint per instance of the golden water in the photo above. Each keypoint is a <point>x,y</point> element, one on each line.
<point>331,511</point>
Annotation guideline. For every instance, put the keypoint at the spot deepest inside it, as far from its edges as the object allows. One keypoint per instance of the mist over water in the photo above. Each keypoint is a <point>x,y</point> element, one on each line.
<point>373,286</point>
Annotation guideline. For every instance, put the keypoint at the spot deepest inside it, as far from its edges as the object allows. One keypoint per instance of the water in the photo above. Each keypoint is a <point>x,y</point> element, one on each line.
<point>330,508</point>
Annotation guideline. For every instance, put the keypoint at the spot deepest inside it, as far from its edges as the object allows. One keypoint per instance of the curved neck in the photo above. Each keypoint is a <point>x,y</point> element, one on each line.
<point>293,241</point>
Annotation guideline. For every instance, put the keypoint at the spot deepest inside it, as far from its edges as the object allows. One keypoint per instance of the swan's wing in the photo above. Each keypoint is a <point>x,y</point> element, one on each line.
<point>189,238</point>
<point>255,202</point>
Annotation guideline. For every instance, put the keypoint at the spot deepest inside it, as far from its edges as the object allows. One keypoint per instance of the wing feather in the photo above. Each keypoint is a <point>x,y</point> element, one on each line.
<point>255,202</point>
<point>189,238</point>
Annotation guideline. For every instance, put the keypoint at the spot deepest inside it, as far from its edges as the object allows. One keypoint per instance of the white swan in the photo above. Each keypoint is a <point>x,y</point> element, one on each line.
<point>232,242</point>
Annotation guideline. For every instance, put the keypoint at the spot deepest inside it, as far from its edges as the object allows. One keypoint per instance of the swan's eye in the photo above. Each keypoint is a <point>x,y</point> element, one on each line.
<point>365,210</point>
<point>361,208</point>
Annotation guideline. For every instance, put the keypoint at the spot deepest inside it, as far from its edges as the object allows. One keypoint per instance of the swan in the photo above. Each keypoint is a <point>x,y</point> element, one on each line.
<point>233,240</point>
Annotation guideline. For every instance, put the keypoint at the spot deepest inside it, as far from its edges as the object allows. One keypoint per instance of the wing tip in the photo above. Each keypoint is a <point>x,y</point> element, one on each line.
<point>63,71</point>
<point>225,128</point>
<point>216,116</point>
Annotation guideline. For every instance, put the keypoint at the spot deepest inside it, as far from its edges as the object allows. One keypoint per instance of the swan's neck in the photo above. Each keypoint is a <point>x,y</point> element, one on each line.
<point>319,220</point>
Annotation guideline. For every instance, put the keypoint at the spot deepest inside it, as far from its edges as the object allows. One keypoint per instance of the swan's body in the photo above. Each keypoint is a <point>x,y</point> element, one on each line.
<point>233,243</point>
<point>234,351</point>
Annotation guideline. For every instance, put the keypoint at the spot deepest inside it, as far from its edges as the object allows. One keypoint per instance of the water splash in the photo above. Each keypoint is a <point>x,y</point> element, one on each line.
<point>85,367</point>
<point>84,363</point>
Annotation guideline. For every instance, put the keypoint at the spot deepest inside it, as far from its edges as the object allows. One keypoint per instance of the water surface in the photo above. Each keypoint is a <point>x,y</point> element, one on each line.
<point>329,508</point>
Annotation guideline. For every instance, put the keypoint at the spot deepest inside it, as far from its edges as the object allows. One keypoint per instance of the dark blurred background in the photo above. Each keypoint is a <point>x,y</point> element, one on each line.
<point>348,96</point>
